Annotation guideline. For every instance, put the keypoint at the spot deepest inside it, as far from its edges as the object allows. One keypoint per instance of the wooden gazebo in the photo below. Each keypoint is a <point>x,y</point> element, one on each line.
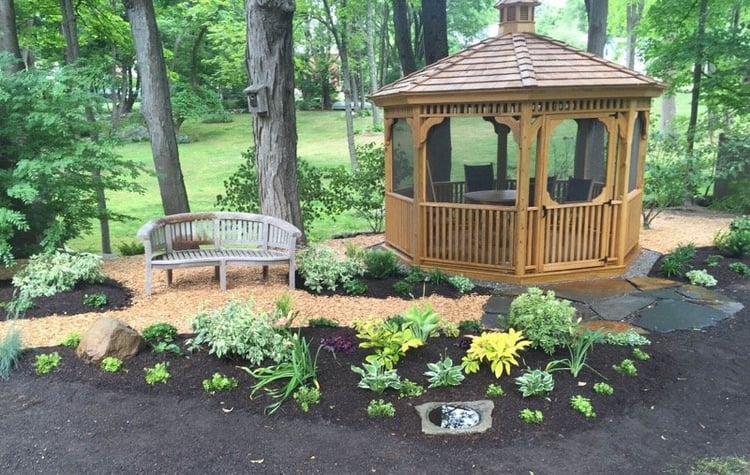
<point>468,138</point>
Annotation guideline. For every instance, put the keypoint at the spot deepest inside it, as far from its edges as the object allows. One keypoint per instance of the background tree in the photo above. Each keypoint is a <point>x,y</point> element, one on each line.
<point>155,105</point>
<point>270,65</point>
<point>9,36</point>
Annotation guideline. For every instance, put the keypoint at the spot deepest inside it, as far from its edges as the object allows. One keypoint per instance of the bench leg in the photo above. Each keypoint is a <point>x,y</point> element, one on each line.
<point>169,277</point>
<point>265,272</point>
<point>216,273</point>
<point>148,281</point>
<point>223,276</point>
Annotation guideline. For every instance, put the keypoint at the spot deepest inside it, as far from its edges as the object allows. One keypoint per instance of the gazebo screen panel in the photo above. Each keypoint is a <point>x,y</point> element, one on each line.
<point>402,156</point>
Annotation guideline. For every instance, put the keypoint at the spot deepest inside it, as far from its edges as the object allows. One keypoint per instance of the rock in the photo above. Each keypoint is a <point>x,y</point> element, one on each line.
<point>110,337</point>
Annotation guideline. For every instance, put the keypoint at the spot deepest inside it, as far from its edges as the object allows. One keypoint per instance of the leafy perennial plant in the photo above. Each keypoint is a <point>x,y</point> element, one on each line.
<point>499,349</point>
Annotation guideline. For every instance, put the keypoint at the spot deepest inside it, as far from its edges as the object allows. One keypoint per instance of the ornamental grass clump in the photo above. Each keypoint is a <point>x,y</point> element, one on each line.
<point>499,349</point>
<point>545,320</point>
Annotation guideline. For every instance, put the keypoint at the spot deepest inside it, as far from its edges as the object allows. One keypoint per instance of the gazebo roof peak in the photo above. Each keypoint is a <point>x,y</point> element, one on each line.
<point>516,16</point>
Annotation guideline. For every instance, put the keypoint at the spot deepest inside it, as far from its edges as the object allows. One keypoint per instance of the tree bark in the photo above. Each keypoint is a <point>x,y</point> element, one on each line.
<point>403,37</point>
<point>700,53</point>
<point>156,106</point>
<point>270,62</point>
<point>372,65</point>
<point>634,13</point>
<point>9,35</point>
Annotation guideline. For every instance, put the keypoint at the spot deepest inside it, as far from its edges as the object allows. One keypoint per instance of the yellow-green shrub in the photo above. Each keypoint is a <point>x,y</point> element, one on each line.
<point>499,349</point>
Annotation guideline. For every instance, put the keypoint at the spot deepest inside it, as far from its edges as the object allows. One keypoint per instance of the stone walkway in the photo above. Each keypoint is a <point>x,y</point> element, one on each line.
<point>653,304</point>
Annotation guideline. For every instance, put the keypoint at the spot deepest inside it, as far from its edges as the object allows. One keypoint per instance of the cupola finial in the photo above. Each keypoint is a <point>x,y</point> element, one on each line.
<point>516,16</point>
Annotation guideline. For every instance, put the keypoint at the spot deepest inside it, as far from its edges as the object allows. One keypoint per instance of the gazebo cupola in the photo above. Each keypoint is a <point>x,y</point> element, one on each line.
<point>518,159</point>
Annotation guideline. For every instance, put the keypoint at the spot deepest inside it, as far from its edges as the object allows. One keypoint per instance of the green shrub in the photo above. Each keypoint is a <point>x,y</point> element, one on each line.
<point>97,300</point>
<point>50,274</point>
<point>678,261</point>
<point>582,405</point>
<point>403,288</point>
<point>626,367</point>
<point>740,268</point>
<point>545,320</point>
<point>415,275</point>
<point>132,248</point>
<point>531,416</point>
<point>461,283</point>
<point>640,355</point>
<point>494,390</point>
<point>535,382</point>
<point>72,340</point>
<point>306,396</point>
<point>473,326</point>
<point>380,408</point>
<point>355,287</point>
<point>322,322</point>
<point>46,362</point>
<point>380,263</point>
<point>219,382</point>
<point>603,388</point>
<point>238,329</point>
<point>499,349</point>
<point>735,241</point>
<point>10,350</point>
<point>390,340</point>
<point>159,332</point>
<point>410,389</point>
<point>157,374</point>
<point>701,277</point>
<point>321,269</point>
<point>437,277</point>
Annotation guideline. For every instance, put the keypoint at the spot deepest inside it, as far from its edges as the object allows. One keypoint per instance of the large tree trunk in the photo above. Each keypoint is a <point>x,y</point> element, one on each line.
<point>403,37</point>
<point>371,64</point>
<point>435,24</point>
<point>270,63</point>
<point>8,35</point>
<point>700,53</point>
<point>156,106</point>
<point>634,13</point>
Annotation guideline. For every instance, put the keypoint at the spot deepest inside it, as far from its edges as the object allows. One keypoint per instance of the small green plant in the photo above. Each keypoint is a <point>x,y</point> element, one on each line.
<point>678,261</point>
<point>443,373</point>
<point>111,364</point>
<point>437,277</point>
<point>46,362</point>
<point>72,340</point>
<point>494,390</point>
<point>740,268</point>
<point>713,260</point>
<point>626,367</point>
<point>582,344</point>
<point>321,269</point>
<point>603,388</point>
<point>448,328</point>
<point>461,283</point>
<point>410,389</point>
<point>164,347</point>
<point>530,416</point>
<point>377,377</point>
<point>157,374</point>
<point>499,349</point>
<point>299,370</point>
<point>10,350</point>
<point>415,275</point>
<point>380,263</point>
<point>403,288</point>
<point>701,277</point>
<point>582,405</point>
<point>380,408</point>
<point>49,274</point>
<point>354,287</point>
<point>97,300</point>
<point>159,332</point>
<point>626,338</point>
<point>535,382</point>
<point>640,355</point>
<point>132,248</point>
<point>322,322</point>
<point>389,338</point>
<point>306,396</point>
<point>219,382</point>
<point>544,319</point>
<point>473,326</point>
<point>720,466</point>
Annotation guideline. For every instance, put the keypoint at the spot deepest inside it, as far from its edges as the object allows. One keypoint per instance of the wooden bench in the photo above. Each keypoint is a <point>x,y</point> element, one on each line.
<point>217,239</point>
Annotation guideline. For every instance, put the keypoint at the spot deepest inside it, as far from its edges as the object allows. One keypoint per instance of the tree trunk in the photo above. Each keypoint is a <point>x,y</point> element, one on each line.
<point>9,36</point>
<point>597,33</point>
<point>668,111</point>
<point>634,13</point>
<point>700,53</point>
<point>270,62</point>
<point>371,64</point>
<point>156,106</point>
<point>403,37</point>
<point>435,24</point>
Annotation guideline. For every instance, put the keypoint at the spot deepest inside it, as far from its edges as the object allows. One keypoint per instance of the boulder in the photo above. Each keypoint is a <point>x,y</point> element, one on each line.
<point>110,337</point>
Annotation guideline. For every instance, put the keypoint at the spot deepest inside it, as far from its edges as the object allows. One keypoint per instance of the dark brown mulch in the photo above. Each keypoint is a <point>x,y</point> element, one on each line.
<point>688,401</point>
<point>71,302</point>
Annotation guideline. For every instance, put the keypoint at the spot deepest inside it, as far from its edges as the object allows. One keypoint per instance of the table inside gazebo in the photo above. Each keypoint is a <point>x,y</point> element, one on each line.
<point>491,197</point>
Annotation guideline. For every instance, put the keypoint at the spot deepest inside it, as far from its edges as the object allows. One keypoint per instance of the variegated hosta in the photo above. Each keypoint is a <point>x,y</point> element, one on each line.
<point>500,349</point>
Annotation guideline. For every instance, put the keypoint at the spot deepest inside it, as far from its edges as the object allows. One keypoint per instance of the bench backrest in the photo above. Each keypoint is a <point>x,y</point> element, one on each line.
<point>218,229</point>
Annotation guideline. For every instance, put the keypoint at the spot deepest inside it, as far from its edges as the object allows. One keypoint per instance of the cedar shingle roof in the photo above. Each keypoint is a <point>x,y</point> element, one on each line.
<point>517,61</point>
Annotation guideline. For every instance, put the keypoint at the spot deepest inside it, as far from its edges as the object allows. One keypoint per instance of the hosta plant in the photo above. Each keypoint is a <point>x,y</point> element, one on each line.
<point>389,340</point>
<point>71,340</point>
<point>443,373</point>
<point>422,321</point>
<point>376,377</point>
<point>535,382</point>
<point>499,349</point>
<point>111,364</point>
<point>157,374</point>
